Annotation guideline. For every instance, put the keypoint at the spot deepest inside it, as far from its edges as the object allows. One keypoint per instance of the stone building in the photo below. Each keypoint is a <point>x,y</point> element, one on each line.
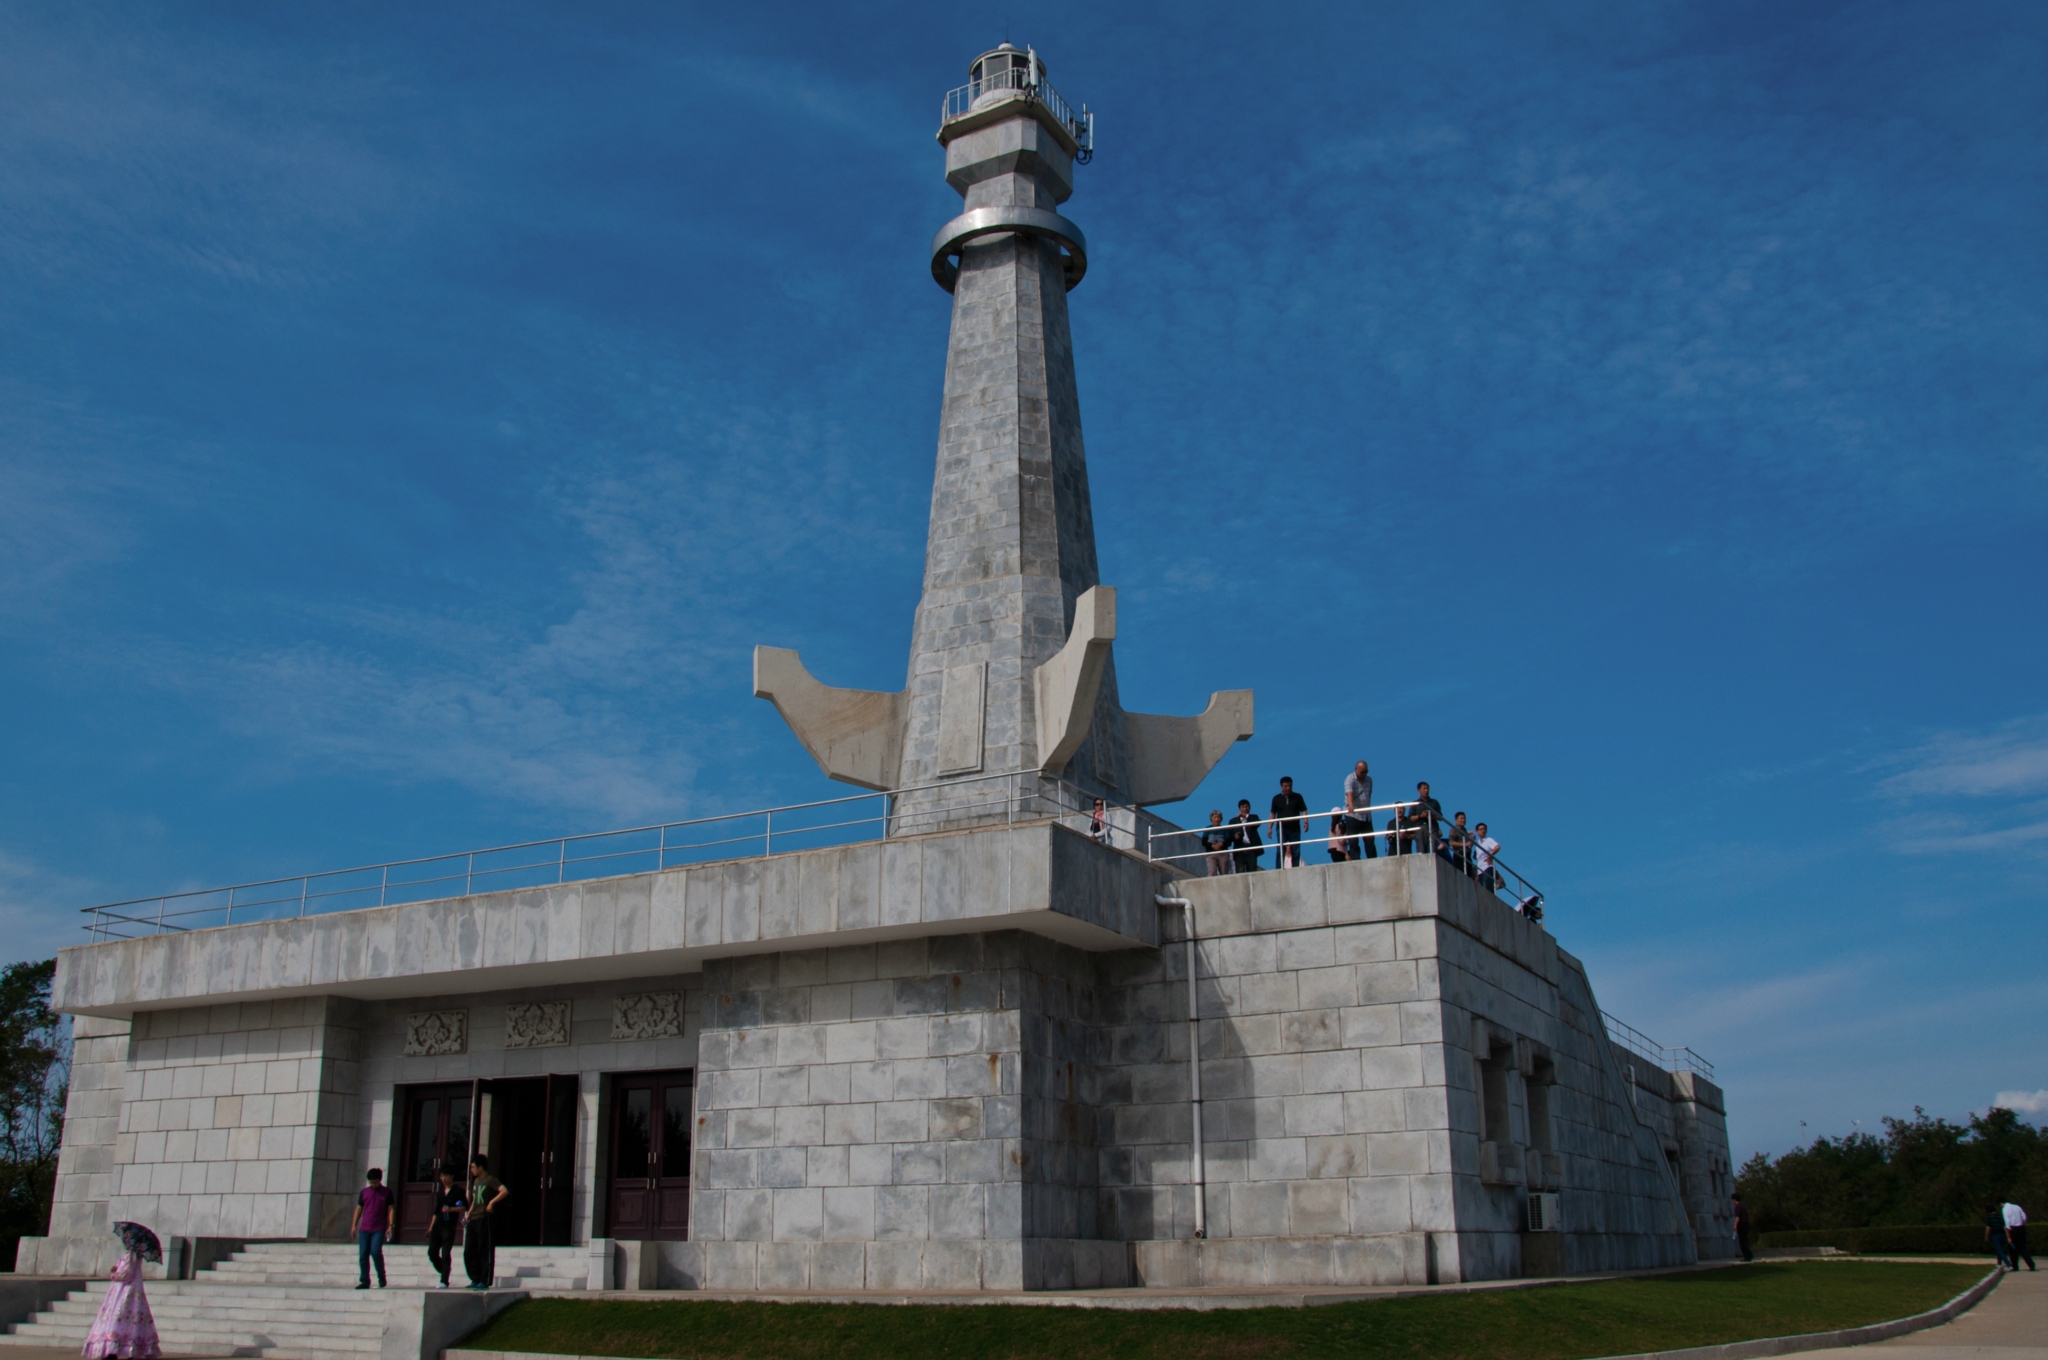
<point>954,1056</point>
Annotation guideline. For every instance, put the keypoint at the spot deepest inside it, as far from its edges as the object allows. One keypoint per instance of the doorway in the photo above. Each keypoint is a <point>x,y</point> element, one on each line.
<point>648,1190</point>
<point>526,1126</point>
<point>434,1137</point>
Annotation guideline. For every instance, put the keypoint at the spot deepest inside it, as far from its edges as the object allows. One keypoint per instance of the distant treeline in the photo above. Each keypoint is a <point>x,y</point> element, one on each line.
<point>1920,1171</point>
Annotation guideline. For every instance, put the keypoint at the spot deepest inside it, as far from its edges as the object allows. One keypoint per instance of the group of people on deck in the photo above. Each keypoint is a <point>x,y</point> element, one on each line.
<point>1236,846</point>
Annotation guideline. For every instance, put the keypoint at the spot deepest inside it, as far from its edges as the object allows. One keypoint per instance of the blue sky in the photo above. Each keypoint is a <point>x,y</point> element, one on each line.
<point>1628,417</point>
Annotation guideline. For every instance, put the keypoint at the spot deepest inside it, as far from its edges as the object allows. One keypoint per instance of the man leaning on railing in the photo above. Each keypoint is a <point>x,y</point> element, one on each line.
<point>1419,822</point>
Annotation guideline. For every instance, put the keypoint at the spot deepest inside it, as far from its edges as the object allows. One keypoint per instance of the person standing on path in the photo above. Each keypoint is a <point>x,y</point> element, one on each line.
<point>1741,1209</point>
<point>2016,1234</point>
<point>375,1218</point>
<point>1357,798</point>
<point>1250,847</point>
<point>1994,1235</point>
<point>124,1327</point>
<point>1289,808</point>
<point>449,1202</point>
<point>479,1250</point>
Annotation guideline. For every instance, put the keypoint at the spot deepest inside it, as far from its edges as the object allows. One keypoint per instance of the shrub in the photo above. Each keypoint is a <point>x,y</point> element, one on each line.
<point>1934,1239</point>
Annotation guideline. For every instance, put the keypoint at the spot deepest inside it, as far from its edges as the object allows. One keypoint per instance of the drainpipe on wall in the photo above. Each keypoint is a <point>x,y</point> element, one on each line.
<point>1187,910</point>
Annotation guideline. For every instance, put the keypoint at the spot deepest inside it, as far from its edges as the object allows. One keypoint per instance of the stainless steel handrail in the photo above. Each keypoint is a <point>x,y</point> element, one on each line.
<point>1022,80</point>
<point>1641,1044</point>
<point>310,894</point>
<point>1426,835</point>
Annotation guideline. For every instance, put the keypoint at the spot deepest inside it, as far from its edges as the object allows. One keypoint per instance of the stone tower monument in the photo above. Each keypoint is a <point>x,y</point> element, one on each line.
<point>1010,707</point>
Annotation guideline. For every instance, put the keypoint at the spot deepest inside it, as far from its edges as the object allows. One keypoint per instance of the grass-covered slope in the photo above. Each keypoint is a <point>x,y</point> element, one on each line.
<point>1562,1322</point>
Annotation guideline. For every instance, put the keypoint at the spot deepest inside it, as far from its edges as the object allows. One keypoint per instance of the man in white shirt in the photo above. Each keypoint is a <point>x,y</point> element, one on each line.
<point>1484,848</point>
<point>2016,1233</point>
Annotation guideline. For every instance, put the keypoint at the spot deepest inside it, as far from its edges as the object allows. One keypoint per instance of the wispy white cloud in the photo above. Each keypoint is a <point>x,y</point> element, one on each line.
<point>2024,1102</point>
<point>2009,760</point>
<point>2000,772</point>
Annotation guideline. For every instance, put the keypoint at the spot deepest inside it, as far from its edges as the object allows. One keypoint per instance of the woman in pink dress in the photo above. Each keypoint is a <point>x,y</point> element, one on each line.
<point>124,1328</point>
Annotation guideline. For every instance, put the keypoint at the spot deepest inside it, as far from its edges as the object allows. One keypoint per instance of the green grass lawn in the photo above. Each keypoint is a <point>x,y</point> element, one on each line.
<point>1560,1322</point>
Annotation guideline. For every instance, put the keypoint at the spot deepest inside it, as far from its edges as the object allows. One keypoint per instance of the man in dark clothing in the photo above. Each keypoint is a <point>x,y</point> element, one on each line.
<point>1421,819</point>
<point>1994,1235</point>
<point>1249,846</point>
<point>479,1248</point>
<point>1741,1227</point>
<point>1292,807</point>
<point>449,1202</point>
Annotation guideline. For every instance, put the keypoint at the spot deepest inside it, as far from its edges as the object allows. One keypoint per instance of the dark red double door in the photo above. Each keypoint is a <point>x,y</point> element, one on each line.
<point>649,1185</point>
<point>525,1125</point>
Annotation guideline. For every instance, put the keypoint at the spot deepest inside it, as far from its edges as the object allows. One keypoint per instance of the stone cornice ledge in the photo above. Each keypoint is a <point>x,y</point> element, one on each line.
<point>1041,877</point>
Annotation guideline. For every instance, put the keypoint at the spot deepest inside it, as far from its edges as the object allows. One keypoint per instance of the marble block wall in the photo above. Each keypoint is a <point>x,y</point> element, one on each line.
<point>80,1241</point>
<point>897,1115</point>
<point>236,1120</point>
<point>1358,1021</point>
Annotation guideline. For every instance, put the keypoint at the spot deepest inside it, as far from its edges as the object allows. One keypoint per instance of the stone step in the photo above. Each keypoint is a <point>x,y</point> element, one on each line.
<point>399,1278</point>
<point>205,1339</point>
<point>330,1289</point>
<point>254,1309</point>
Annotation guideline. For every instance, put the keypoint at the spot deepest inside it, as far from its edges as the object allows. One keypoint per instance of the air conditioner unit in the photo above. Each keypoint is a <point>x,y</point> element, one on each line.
<point>1543,1215</point>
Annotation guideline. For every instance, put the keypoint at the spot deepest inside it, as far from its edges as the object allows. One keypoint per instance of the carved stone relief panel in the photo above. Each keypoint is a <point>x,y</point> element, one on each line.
<point>436,1034</point>
<point>648,1015</point>
<point>537,1024</point>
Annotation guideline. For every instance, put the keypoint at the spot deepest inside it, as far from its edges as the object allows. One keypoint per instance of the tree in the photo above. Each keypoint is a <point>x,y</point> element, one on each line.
<point>35,1072</point>
<point>1922,1171</point>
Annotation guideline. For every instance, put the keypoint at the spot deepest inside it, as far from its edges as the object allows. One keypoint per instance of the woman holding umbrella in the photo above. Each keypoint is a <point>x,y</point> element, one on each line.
<point>124,1328</point>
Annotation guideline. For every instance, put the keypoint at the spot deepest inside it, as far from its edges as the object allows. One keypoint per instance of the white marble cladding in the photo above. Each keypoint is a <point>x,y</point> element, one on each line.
<point>1340,1065</point>
<point>647,1015</point>
<point>1037,877</point>
<point>436,1034</point>
<point>543,1024</point>
<point>79,1240</point>
<point>239,1121</point>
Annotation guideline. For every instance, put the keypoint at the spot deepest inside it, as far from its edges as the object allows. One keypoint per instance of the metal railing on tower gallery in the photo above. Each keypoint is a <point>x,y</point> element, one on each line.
<point>604,854</point>
<point>1642,1045</point>
<point>1411,829</point>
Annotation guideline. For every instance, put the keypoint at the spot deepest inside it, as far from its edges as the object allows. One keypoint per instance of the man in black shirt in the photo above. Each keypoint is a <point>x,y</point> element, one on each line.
<point>1421,819</point>
<point>449,1203</point>
<point>1249,845</point>
<point>1291,806</point>
<point>1995,1238</point>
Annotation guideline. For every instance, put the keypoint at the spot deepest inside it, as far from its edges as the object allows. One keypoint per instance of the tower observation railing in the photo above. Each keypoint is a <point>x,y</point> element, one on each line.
<point>1021,80</point>
<point>1642,1045</point>
<point>605,854</point>
<point>1412,829</point>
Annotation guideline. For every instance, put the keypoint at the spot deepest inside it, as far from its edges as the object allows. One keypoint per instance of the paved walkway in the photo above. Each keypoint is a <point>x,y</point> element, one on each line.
<point>2010,1323</point>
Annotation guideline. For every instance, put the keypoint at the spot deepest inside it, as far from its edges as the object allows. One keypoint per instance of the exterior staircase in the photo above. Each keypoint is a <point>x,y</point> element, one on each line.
<point>294,1300</point>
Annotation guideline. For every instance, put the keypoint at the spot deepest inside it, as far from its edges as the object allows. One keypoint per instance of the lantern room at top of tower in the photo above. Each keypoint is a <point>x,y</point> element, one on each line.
<point>1007,81</point>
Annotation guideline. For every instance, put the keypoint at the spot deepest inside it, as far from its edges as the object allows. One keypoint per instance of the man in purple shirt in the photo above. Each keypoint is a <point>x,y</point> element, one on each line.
<point>376,1217</point>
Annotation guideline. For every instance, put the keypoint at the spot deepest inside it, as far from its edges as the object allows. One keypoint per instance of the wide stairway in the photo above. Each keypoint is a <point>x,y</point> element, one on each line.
<point>292,1300</point>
